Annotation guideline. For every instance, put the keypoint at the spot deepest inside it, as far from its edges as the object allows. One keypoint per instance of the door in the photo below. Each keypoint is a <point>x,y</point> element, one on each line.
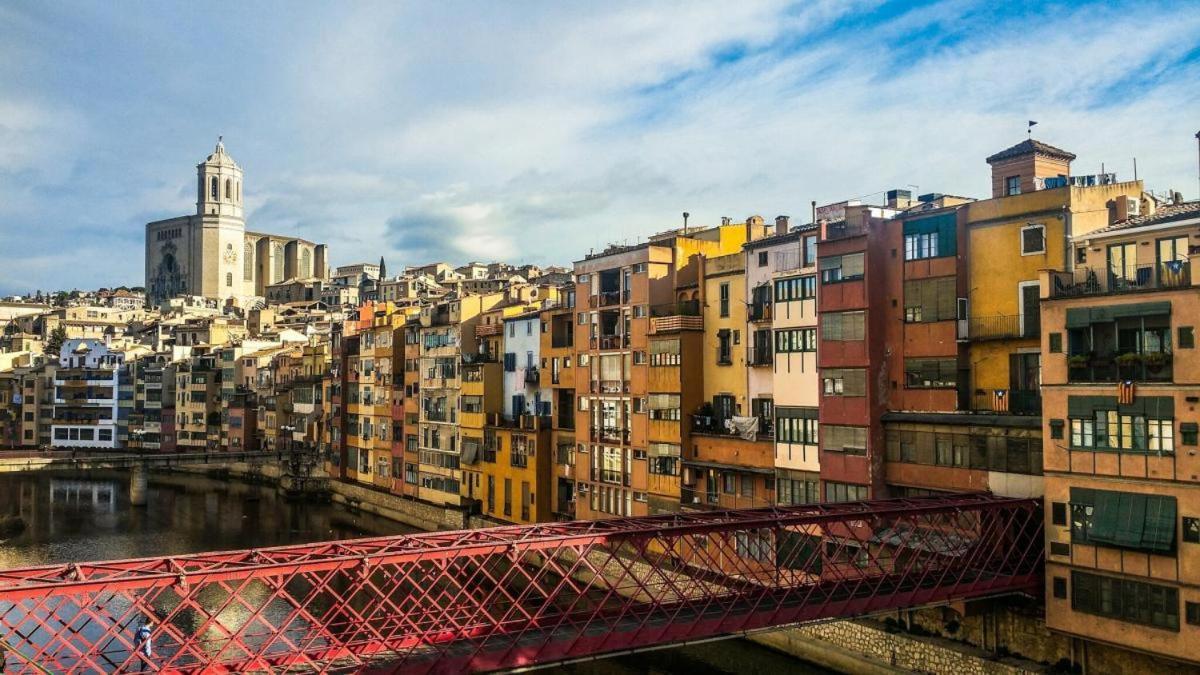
<point>1122,261</point>
<point>1172,262</point>
<point>1030,309</point>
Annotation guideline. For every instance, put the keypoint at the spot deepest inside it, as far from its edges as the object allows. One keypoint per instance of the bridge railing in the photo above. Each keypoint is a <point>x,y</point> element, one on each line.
<point>514,596</point>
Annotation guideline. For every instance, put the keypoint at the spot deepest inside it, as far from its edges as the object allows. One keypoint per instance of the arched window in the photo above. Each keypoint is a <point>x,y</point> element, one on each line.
<point>277,263</point>
<point>248,263</point>
<point>306,263</point>
<point>239,192</point>
<point>229,279</point>
<point>228,189</point>
<point>213,189</point>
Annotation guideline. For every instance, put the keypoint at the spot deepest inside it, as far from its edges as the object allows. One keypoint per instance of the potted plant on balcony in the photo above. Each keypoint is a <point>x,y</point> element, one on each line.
<point>1128,359</point>
<point>1156,361</point>
<point>1082,360</point>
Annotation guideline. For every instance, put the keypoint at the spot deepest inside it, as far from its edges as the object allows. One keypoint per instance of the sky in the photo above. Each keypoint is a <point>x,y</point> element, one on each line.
<point>537,131</point>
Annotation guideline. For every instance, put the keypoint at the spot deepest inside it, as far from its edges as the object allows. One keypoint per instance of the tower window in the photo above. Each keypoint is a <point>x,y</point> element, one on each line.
<point>228,189</point>
<point>229,279</point>
<point>213,188</point>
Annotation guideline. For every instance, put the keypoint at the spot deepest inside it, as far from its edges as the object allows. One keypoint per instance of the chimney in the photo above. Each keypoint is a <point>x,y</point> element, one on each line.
<point>725,220</point>
<point>781,224</point>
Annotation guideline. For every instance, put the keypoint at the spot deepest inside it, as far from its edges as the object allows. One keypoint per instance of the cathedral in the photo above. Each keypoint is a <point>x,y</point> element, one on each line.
<point>212,255</point>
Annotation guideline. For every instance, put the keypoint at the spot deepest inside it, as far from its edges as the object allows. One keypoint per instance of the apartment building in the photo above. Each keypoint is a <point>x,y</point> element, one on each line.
<point>1120,379</point>
<point>781,297</point>
<point>731,462</point>
<point>447,337</point>
<point>145,418</point>
<point>86,395</point>
<point>411,411</point>
<point>624,295</point>
<point>198,402</point>
<point>558,383</point>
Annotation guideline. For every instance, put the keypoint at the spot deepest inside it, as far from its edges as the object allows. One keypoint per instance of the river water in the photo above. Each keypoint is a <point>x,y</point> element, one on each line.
<point>87,516</point>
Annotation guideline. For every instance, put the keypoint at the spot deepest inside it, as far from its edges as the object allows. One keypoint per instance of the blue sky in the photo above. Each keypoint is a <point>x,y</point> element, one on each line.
<point>536,131</point>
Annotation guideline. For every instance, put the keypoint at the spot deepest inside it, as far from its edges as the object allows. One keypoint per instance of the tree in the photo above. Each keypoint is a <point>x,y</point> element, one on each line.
<point>55,342</point>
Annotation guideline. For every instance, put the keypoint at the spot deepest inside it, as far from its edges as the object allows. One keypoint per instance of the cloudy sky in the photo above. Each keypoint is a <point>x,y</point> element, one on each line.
<point>533,131</point>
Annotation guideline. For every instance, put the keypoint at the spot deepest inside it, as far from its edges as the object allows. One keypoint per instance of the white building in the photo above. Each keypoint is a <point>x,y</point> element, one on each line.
<point>522,348</point>
<point>87,388</point>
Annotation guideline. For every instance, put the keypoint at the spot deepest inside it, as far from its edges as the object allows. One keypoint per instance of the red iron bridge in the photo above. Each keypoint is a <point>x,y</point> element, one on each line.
<point>516,597</point>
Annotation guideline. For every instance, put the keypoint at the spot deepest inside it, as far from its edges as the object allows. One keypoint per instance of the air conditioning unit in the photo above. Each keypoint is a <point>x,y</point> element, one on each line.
<point>1133,207</point>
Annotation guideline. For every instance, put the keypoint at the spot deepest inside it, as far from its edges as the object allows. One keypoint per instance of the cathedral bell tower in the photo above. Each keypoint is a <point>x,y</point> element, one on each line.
<point>219,185</point>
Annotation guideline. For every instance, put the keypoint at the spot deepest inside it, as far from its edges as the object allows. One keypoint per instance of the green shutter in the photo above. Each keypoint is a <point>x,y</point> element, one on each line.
<point>1105,516</point>
<point>1078,317</point>
<point>1138,309</point>
<point>1131,519</point>
<point>1159,532</point>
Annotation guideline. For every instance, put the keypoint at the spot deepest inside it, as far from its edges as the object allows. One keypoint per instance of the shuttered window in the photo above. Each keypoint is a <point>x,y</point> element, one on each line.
<point>1123,519</point>
<point>843,326</point>
<point>930,300</point>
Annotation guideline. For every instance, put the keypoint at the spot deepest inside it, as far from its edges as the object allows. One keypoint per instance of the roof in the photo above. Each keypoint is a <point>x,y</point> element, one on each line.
<point>1163,215</point>
<point>1031,147</point>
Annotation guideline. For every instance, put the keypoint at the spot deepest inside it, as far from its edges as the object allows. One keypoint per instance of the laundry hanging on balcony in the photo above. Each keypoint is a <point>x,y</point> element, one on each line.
<point>746,427</point>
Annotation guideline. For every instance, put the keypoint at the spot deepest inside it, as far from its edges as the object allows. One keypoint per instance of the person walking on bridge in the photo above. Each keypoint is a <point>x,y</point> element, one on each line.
<point>144,648</point>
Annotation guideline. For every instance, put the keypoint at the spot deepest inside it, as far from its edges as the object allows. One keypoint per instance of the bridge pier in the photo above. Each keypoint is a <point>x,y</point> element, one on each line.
<point>138,484</point>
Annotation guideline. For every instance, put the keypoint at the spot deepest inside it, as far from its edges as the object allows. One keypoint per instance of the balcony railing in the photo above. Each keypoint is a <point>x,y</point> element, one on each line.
<point>1108,367</point>
<point>761,311</point>
<point>531,376</point>
<point>761,356</point>
<point>842,230</point>
<point>1000,327</point>
<point>607,298</point>
<point>681,308</point>
<point>610,342</point>
<point>1130,279</point>
<point>609,387</point>
<point>610,434</point>
<point>724,356</point>
<point>1012,401</point>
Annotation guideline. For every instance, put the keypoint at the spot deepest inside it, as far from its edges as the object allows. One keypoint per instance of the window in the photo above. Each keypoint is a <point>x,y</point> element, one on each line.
<point>663,459</point>
<point>1187,339</point>
<point>1192,612</point>
<point>1123,432</point>
<point>1012,185</point>
<point>1033,239</point>
<point>848,440</point>
<point>1125,600</point>
<point>790,340</point>
<point>796,425</point>
<point>724,348</point>
<point>930,300</point>
<point>848,267</point>
<point>920,246</point>
<point>754,545</point>
<point>1058,513</point>
<point>1123,520</point>
<point>1191,530</point>
<point>844,382</point>
<point>1056,428</point>
<point>930,373</point>
<point>1060,587</point>
<point>843,326</point>
<point>663,406</point>
<point>1056,343</point>
<point>844,492</point>
<point>724,299</point>
<point>229,279</point>
<point>664,352</point>
<point>763,258</point>
<point>728,482</point>
<point>810,250</point>
<point>797,488</point>
<point>795,288</point>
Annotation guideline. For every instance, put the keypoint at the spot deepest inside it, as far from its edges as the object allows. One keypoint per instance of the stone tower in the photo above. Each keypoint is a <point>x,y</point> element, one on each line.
<point>219,185</point>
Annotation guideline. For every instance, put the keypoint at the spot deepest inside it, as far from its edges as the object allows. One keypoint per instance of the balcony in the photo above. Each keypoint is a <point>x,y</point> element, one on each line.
<point>610,434</point>
<point>724,356</point>
<point>610,342</point>
<point>761,312</point>
<point>760,356</point>
<point>609,387</point>
<point>607,298</point>
<point>489,329</point>
<point>1087,281</point>
<point>1130,366</point>
<point>1001,327</point>
<point>707,424</point>
<point>531,376</point>
<point>1011,401</point>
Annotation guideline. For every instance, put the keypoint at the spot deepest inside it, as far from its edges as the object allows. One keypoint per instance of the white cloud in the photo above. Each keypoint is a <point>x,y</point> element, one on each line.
<point>471,130</point>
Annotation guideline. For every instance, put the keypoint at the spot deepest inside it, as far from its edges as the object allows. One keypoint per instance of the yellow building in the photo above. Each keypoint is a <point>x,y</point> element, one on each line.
<point>1036,206</point>
<point>516,472</point>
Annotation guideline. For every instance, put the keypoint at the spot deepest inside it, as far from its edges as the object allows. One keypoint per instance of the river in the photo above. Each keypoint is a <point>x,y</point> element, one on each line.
<point>87,516</point>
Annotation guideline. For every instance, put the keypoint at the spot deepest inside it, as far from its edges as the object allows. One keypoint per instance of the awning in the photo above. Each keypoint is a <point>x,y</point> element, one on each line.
<point>766,471</point>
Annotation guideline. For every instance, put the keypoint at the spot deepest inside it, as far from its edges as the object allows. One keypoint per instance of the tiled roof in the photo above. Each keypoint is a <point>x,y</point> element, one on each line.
<point>1030,147</point>
<point>1164,214</point>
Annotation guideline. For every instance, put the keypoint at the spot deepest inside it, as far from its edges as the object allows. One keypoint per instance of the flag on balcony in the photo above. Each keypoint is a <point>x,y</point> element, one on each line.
<point>1000,400</point>
<point>1125,392</point>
